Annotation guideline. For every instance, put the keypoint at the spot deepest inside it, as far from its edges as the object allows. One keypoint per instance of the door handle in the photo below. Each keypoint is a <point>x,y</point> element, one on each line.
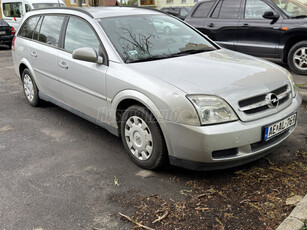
<point>63,65</point>
<point>211,25</point>
<point>245,25</point>
<point>33,54</point>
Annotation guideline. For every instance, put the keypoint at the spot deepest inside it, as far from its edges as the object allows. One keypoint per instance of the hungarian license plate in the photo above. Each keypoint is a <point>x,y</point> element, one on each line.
<point>279,127</point>
<point>2,32</point>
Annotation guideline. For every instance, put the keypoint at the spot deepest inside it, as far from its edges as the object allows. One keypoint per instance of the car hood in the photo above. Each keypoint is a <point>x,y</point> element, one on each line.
<point>227,74</point>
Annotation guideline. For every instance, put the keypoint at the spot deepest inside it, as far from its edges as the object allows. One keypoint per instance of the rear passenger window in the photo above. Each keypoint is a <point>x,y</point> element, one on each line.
<point>79,34</point>
<point>28,27</point>
<point>230,9</point>
<point>203,9</point>
<point>50,29</point>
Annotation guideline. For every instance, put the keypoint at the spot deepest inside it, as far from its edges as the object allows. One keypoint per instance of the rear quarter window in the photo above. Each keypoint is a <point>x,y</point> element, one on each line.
<point>28,27</point>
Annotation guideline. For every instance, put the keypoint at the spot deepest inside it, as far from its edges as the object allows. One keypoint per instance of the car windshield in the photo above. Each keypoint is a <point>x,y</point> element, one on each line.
<point>151,37</point>
<point>46,5</point>
<point>292,8</point>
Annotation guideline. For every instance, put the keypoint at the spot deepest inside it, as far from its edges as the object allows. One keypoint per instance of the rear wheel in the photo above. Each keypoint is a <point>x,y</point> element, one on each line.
<point>30,88</point>
<point>297,58</point>
<point>142,138</point>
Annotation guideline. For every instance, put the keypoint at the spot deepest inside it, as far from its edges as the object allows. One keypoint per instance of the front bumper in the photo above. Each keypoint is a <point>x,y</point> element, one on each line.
<point>225,145</point>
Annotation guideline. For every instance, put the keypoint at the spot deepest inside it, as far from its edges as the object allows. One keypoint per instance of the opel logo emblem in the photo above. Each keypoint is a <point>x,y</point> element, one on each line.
<point>272,100</point>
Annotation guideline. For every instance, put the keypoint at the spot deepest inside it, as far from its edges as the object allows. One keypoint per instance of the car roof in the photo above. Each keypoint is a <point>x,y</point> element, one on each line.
<point>102,12</point>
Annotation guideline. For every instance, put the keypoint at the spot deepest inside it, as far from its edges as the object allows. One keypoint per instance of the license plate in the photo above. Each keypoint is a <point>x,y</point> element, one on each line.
<point>2,32</point>
<point>279,127</point>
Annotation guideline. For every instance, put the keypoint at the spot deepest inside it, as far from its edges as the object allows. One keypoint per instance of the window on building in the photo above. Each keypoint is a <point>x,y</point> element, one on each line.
<point>147,2</point>
<point>74,2</point>
<point>169,1</point>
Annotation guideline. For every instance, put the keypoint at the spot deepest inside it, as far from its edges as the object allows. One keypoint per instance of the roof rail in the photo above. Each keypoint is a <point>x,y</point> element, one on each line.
<point>66,8</point>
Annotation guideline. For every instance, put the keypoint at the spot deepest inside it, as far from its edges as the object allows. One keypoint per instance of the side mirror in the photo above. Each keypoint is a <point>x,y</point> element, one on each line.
<point>87,54</point>
<point>270,15</point>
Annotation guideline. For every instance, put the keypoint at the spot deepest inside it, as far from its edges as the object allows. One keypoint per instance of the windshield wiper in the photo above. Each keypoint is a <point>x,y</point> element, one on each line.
<point>192,51</point>
<point>182,53</point>
<point>300,16</point>
<point>148,59</point>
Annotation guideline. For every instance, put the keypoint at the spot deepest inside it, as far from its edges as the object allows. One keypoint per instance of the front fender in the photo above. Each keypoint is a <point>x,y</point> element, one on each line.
<point>141,98</point>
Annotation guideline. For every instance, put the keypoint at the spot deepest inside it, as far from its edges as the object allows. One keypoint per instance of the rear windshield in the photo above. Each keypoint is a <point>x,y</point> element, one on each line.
<point>3,23</point>
<point>47,5</point>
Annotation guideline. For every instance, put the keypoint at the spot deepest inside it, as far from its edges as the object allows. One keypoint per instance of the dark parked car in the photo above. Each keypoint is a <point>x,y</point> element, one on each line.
<point>6,33</point>
<point>264,28</point>
<point>179,12</point>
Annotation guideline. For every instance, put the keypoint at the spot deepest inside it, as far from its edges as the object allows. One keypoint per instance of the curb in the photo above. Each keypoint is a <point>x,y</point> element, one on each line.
<point>296,219</point>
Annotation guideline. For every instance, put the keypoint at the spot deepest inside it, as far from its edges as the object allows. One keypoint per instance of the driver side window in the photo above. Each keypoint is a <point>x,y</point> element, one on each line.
<point>254,9</point>
<point>79,34</point>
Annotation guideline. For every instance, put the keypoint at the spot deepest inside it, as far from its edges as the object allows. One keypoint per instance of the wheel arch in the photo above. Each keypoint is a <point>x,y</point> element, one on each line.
<point>125,99</point>
<point>290,43</point>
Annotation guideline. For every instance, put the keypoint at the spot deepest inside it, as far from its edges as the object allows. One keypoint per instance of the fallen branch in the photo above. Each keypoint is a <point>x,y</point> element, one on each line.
<point>135,222</point>
<point>161,218</point>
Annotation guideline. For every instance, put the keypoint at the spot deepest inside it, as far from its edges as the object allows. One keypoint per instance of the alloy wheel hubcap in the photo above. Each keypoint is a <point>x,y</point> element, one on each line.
<point>138,138</point>
<point>300,58</point>
<point>28,87</point>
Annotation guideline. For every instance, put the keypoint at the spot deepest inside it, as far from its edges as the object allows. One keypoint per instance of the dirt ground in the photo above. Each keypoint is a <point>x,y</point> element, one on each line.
<point>251,197</point>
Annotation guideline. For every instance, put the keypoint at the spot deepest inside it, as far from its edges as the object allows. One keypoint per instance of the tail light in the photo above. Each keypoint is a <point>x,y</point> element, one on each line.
<point>13,44</point>
<point>13,31</point>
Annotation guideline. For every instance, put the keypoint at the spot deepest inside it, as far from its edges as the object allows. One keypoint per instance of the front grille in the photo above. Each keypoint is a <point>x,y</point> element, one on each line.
<point>259,103</point>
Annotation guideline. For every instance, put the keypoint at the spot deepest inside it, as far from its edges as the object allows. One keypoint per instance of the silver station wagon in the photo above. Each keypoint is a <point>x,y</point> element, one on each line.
<point>173,96</point>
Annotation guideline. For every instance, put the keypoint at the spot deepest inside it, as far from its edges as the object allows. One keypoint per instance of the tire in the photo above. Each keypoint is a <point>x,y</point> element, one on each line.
<point>167,30</point>
<point>29,88</point>
<point>297,58</point>
<point>142,138</point>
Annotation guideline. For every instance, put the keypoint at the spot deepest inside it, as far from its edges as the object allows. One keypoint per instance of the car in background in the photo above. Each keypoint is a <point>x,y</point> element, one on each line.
<point>7,33</point>
<point>165,27</point>
<point>177,98</point>
<point>263,28</point>
<point>177,11</point>
<point>12,11</point>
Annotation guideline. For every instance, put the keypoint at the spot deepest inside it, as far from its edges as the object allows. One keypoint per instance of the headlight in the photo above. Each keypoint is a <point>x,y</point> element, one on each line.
<point>212,109</point>
<point>293,86</point>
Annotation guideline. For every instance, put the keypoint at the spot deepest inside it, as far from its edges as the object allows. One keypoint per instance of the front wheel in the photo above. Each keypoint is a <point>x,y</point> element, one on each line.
<point>297,58</point>
<point>142,138</point>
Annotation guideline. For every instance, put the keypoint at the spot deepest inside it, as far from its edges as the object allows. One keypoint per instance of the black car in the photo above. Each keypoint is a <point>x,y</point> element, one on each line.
<point>7,33</point>
<point>264,28</point>
<point>177,11</point>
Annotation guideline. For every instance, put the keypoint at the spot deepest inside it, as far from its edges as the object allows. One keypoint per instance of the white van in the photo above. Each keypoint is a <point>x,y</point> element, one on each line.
<point>13,10</point>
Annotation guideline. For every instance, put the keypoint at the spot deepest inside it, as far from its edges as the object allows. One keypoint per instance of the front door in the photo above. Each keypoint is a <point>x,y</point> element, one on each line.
<point>259,36</point>
<point>83,84</point>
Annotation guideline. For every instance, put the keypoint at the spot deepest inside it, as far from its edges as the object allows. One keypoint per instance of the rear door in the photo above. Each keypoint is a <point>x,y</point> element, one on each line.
<point>83,83</point>
<point>259,36</point>
<point>43,50</point>
<point>198,16</point>
<point>223,23</point>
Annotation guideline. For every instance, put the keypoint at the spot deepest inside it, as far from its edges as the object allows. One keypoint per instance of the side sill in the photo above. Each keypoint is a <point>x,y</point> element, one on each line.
<point>104,125</point>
